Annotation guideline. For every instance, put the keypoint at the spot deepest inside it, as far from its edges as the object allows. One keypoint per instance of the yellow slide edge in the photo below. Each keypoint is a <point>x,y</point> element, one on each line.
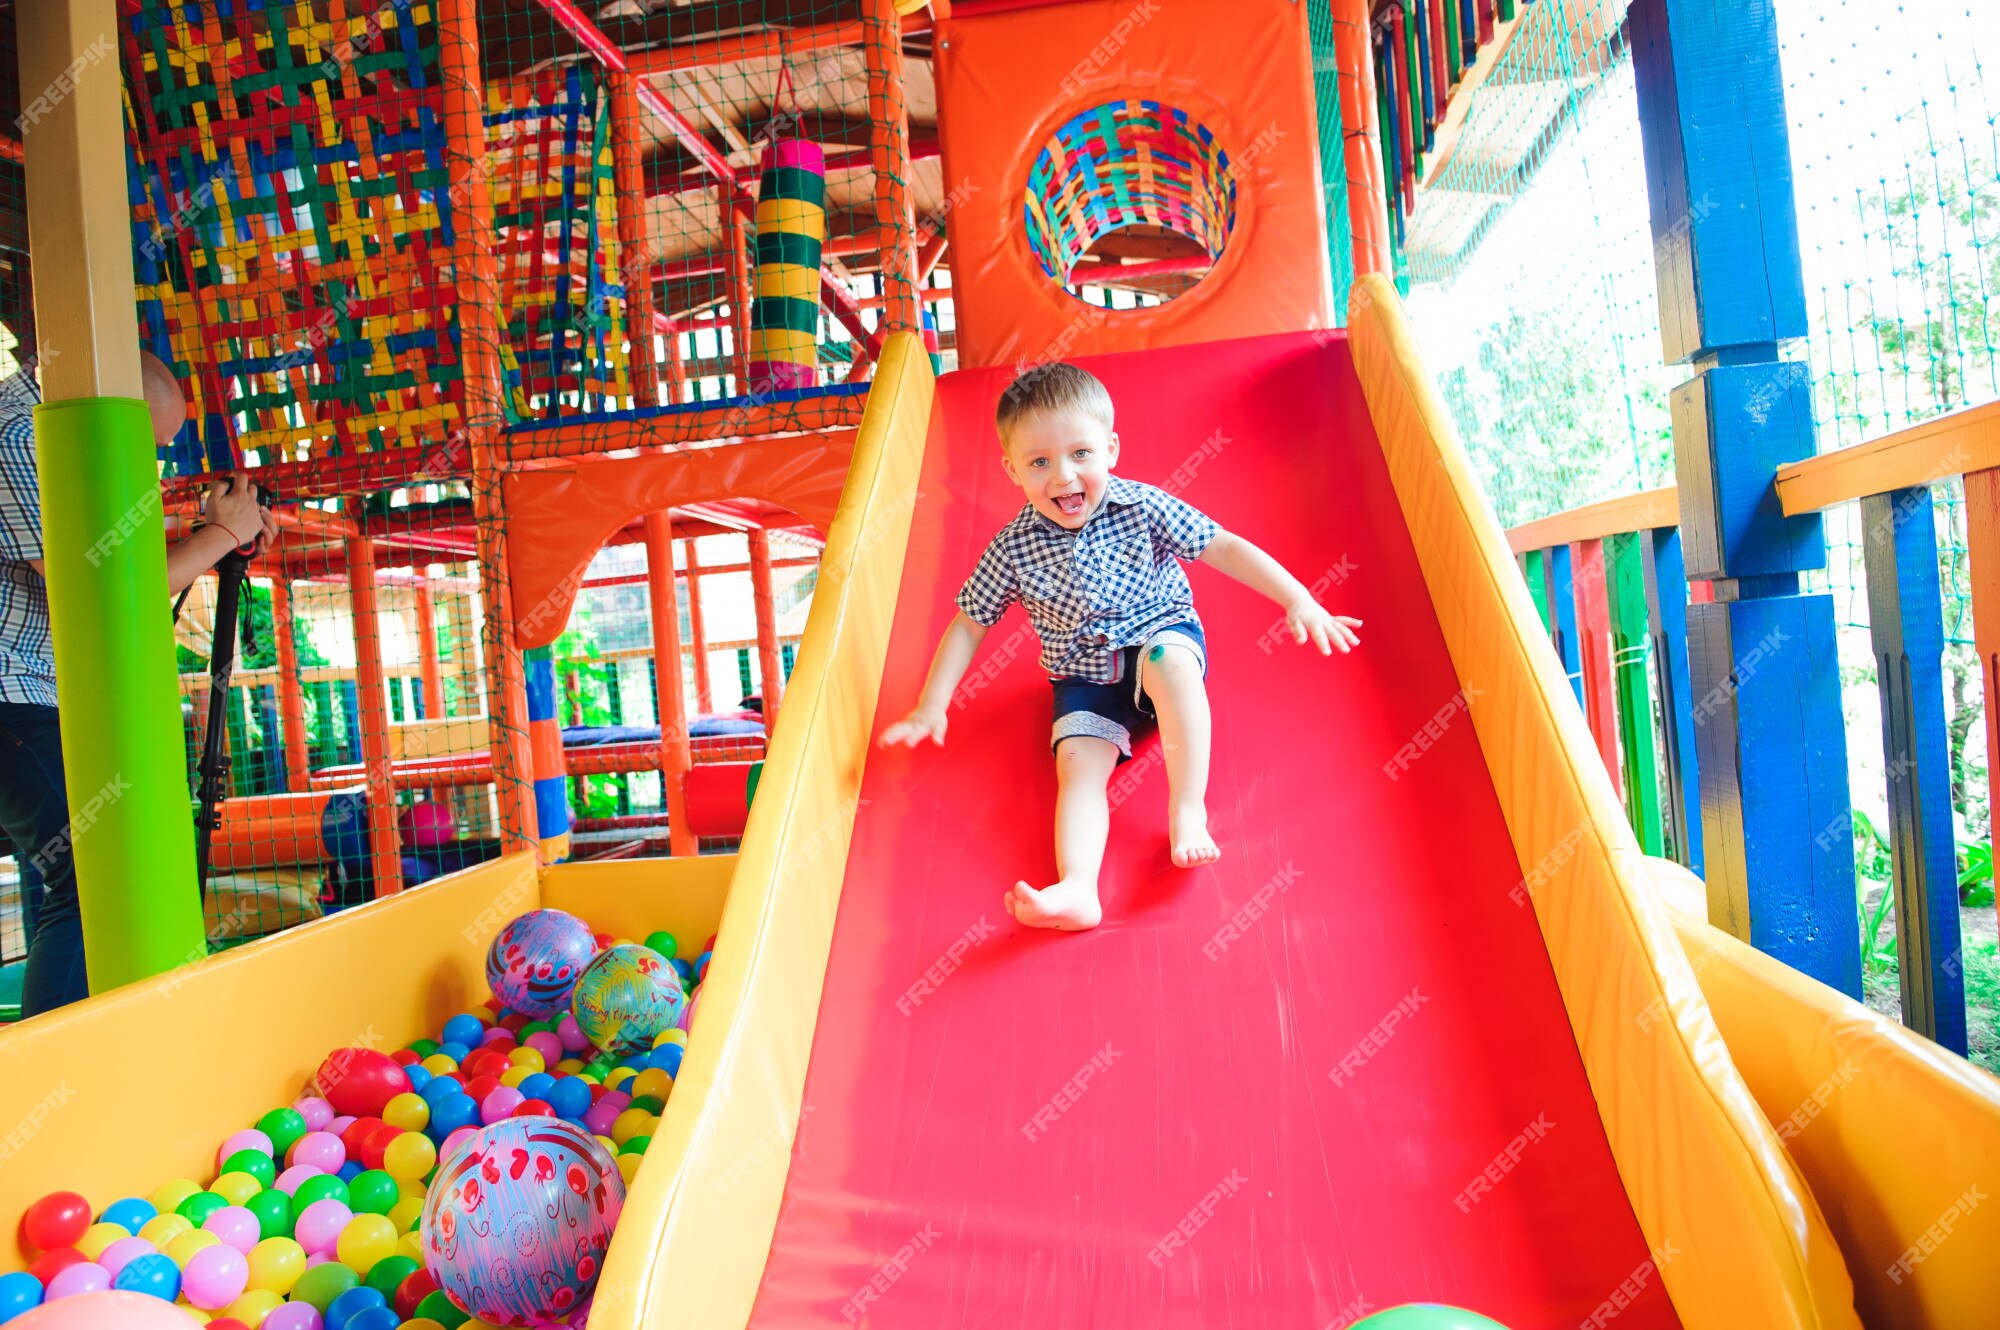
<point>697,1225</point>
<point>1734,1233</point>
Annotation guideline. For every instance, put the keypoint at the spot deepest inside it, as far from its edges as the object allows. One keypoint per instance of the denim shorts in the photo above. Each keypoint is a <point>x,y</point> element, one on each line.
<point>1119,710</point>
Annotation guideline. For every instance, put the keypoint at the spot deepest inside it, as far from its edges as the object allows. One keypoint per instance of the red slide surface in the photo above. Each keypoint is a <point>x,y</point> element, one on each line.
<point>1329,1075</point>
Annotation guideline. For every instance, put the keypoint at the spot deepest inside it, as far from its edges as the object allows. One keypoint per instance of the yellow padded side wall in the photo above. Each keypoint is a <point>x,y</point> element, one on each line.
<point>1738,1237</point>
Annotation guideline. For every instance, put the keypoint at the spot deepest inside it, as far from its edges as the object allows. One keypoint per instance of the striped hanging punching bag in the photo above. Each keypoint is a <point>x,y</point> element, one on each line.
<point>791,225</point>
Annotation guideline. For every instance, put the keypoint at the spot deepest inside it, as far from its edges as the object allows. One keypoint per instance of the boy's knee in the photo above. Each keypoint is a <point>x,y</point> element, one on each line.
<point>1170,661</point>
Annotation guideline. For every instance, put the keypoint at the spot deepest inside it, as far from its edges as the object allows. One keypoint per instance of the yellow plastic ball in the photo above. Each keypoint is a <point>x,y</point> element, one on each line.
<point>437,1064</point>
<point>632,1122</point>
<point>188,1243</point>
<point>410,1189</point>
<point>570,1066</point>
<point>528,1057</point>
<point>426,1323</point>
<point>276,1264</point>
<point>652,1081</point>
<point>254,1306</point>
<point>410,1155</point>
<point>621,942</point>
<point>608,1144</point>
<point>628,1166</point>
<point>162,1229</point>
<point>586,1076</point>
<point>617,1077</point>
<point>675,1036</point>
<point>366,1240</point>
<point>167,1197</point>
<point>404,1214</point>
<point>411,1245</point>
<point>407,1111</point>
<point>236,1188</point>
<point>99,1236</point>
<point>514,1075</point>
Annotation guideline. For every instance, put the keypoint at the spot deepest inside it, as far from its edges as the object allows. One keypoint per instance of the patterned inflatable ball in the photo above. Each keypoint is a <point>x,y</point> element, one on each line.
<point>627,998</point>
<point>535,961</point>
<point>517,1220</point>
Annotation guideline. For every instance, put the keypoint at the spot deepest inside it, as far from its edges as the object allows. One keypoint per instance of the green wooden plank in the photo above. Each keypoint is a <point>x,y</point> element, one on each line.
<point>1538,584</point>
<point>1630,643</point>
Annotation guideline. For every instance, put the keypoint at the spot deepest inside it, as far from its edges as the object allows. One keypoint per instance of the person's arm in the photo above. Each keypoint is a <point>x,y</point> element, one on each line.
<point>190,558</point>
<point>954,655</point>
<point>1236,557</point>
<point>235,520</point>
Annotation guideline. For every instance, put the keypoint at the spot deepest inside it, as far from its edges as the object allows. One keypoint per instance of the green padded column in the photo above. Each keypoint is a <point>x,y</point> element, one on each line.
<point>131,828</point>
<point>1631,646</point>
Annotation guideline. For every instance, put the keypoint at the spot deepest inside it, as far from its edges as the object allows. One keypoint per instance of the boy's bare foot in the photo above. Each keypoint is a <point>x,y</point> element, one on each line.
<point>1187,830</point>
<point>1069,906</point>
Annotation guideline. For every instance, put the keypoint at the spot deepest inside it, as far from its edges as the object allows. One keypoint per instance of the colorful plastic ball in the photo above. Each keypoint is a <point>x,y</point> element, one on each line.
<point>319,1225</point>
<point>236,1188</point>
<point>19,1292</point>
<point>437,1307</point>
<point>339,1125</point>
<point>282,1126</point>
<point>109,1309</point>
<point>98,1237</point>
<point>289,1181</point>
<point>516,1224</point>
<point>51,1263</point>
<point>276,1264</point>
<point>410,1156</point>
<point>151,1273</point>
<point>387,1275</point>
<point>569,1097</point>
<point>252,1309</point>
<point>455,1051</point>
<point>419,1075</point>
<point>372,1193</point>
<point>123,1252</point>
<point>185,1247</point>
<point>498,1105</point>
<point>411,1293</point>
<point>450,1113</point>
<point>360,1081</point>
<point>373,1318</point>
<point>405,1213</point>
<point>625,998</point>
<point>535,961</point>
<point>407,1112</point>
<point>356,1300</point>
<point>317,1149</point>
<point>83,1277</point>
<point>320,1187</point>
<point>439,1087</point>
<point>197,1208</point>
<point>1427,1316</point>
<point>236,1226</point>
<point>255,1163</point>
<point>532,1108</point>
<point>215,1276</point>
<point>321,1284</point>
<point>293,1316</point>
<point>366,1240</point>
<point>451,1143</point>
<point>464,1030</point>
<point>57,1220</point>
<point>130,1213</point>
<point>350,1170</point>
<point>162,1229</point>
<point>316,1112</point>
<point>273,1210</point>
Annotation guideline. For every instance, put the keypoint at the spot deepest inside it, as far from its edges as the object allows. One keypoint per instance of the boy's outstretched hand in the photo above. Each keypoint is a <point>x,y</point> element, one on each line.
<point>1309,622</point>
<point>916,727</point>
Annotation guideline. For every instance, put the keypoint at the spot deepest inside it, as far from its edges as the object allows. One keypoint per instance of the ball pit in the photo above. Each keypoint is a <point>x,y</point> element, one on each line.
<point>335,1194</point>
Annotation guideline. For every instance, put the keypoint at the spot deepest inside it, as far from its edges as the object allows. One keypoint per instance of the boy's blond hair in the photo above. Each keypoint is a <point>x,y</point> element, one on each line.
<point>1053,389</point>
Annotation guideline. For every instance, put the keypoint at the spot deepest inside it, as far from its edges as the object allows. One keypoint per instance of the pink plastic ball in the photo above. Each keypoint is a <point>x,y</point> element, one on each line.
<point>236,1226</point>
<point>597,1119</point>
<point>215,1277</point>
<point>316,1111</point>
<point>499,1104</point>
<point>545,1043</point>
<point>319,1227</point>
<point>83,1277</point>
<point>318,1258</point>
<point>494,1034</point>
<point>318,1149</point>
<point>289,1180</point>
<point>105,1310</point>
<point>618,1100</point>
<point>572,1036</point>
<point>339,1125</point>
<point>123,1252</point>
<point>247,1139</point>
<point>686,1018</point>
<point>456,1139</point>
<point>427,825</point>
<point>294,1316</point>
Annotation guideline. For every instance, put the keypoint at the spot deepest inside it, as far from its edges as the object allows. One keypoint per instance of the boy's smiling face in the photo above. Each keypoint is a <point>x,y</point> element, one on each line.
<point>1062,461</point>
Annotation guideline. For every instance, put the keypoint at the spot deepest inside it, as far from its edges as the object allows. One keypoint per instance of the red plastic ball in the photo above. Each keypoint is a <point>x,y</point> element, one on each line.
<point>412,1291</point>
<point>481,1086</point>
<point>603,940</point>
<point>227,1323</point>
<point>52,1263</point>
<point>532,1108</point>
<point>514,1021</point>
<point>360,1082</point>
<point>356,1133</point>
<point>57,1220</point>
<point>504,1045</point>
<point>376,1143</point>
<point>402,1057</point>
<point>485,1062</point>
<point>598,1089</point>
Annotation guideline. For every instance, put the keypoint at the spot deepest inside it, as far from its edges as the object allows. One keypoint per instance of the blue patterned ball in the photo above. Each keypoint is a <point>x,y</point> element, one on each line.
<point>535,961</point>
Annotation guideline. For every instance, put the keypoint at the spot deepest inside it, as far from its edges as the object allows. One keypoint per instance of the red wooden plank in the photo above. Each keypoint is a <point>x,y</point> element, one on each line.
<point>1593,632</point>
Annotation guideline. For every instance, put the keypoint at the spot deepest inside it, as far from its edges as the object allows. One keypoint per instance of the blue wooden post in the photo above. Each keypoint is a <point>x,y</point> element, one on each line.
<point>1906,620</point>
<point>1666,619</point>
<point>1562,612</point>
<point>1771,754</point>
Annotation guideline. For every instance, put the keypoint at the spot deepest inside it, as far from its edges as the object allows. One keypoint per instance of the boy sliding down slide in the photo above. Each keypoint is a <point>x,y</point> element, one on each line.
<point>1096,561</point>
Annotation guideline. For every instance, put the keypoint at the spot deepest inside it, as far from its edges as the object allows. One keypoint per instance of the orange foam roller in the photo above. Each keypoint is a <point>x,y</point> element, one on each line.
<point>271,831</point>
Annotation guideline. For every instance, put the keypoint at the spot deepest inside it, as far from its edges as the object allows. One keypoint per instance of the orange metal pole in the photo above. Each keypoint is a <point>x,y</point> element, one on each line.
<point>427,655</point>
<point>1367,205</point>
<point>928,256</point>
<point>1982,550</point>
<point>736,263</point>
<point>676,754</point>
<point>704,695</point>
<point>291,692</point>
<point>636,246</point>
<point>384,845</point>
<point>769,663</point>
<point>484,405</point>
<point>889,153</point>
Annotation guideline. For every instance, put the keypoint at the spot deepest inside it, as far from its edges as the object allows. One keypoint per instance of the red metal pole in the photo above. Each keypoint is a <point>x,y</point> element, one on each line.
<point>704,694</point>
<point>769,662</point>
<point>1593,633</point>
<point>291,692</point>
<point>427,655</point>
<point>676,755</point>
<point>384,845</point>
<point>889,153</point>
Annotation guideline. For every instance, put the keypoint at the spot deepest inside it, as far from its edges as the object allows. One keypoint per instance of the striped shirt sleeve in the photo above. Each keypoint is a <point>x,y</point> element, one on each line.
<point>992,586</point>
<point>20,491</point>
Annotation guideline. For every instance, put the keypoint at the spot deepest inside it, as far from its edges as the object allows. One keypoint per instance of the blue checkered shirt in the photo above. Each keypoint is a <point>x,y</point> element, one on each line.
<point>1091,592</point>
<point>27,660</point>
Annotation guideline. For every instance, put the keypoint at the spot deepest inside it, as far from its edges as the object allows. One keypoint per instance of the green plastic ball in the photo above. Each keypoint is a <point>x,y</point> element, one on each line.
<point>649,1103</point>
<point>663,942</point>
<point>319,1188</point>
<point>442,1310</point>
<point>284,1126</point>
<point>424,1047</point>
<point>636,1146</point>
<point>372,1193</point>
<point>389,1274</point>
<point>274,1213</point>
<point>197,1208</point>
<point>535,1027</point>
<point>1427,1316</point>
<point>323,1283</point>
<point>254,1162</point>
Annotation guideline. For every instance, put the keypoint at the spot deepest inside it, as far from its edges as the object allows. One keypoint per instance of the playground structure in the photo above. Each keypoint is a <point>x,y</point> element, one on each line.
<point>399,256</point>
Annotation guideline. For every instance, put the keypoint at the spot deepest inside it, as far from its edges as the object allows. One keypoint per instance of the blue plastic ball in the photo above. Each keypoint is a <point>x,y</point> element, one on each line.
<point>130,1214</point>
<point>682,966</point>
<point>153,1274</point>
<point>419,1076</point>
<point>21,1292</point>
<point>451,1113</point>
<point>352,1303</point>
<point>374,1318</point>
<point>569,1097</point>
<point>440,1087</point>
<point>536,1085</point>
<point>350,1170</point>
<point>465,1030</point>
<point>456,1051</point>
<point>667,1057</point>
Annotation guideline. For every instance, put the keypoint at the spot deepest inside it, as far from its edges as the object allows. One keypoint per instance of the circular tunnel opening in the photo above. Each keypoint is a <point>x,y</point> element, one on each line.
<point>1130,204</point>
